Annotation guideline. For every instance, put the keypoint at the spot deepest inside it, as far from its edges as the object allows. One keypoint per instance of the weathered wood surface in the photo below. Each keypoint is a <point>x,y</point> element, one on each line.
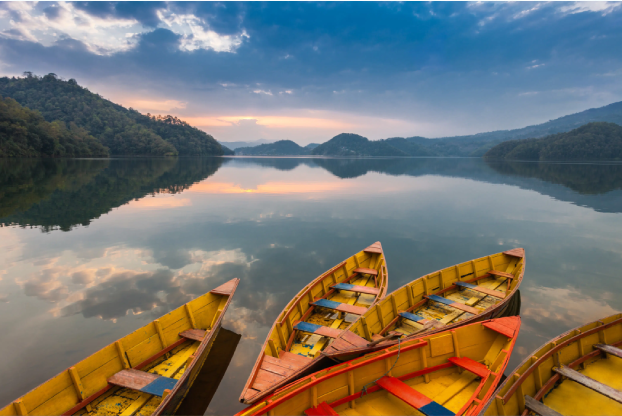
<point>132,379</point>
<point>609,349</point>
<point>193,334</point>
<point>539,408</point>
<point>226,288</point>
<point>356,288</point>
<point>516,252</point>
<point>453,304</point>
<point>590,383</point>
<point>364,270</point>
<point>470,365</point>
<point>482,289</point>
<point>501,274</point>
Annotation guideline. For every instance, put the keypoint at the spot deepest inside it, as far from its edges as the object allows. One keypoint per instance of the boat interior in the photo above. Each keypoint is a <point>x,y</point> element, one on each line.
<point>135,374</point>
<point>442,374</point>
<point>443,298</point>
<point>577,373</point>
<point>318,315</point>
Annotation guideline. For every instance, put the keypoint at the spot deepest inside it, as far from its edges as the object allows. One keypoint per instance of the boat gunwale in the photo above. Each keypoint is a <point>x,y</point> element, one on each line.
<point>374,356</point>
<point>287,310</point>
<point>486,314</point>
<point>201,349</point>
<point>531,368</point>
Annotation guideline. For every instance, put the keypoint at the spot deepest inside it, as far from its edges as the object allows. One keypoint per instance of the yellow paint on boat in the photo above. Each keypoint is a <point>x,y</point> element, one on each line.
<point>87,381</point>
<point>284,338</point>
<point>535,377</point>
<point>383,317</point>
<point>424,366</point>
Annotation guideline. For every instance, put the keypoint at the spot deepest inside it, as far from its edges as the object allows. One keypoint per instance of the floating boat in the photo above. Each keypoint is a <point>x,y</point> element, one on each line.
<point>147,372</point>
<point>577,373</point>
<point>318,314</point>
<point>469,292</point>
<point>447,373</point>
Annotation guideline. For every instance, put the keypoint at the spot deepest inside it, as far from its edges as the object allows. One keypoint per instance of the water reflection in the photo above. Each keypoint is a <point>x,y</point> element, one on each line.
<point>184,226</point>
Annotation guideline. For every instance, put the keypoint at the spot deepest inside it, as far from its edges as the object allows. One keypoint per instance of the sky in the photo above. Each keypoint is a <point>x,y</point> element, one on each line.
<point>308,71</point>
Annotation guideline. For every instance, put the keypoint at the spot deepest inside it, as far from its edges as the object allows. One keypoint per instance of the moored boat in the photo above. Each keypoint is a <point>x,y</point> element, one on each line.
<point>147,372</point>
<point>576,373</point>
<point>317,315</point>
<point>472,291</point>
<point>447,373</point>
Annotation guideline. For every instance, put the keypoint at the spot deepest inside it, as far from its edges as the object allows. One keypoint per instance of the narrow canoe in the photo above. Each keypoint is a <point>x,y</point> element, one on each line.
<point>577,373</point>
<point>469,292</point>
<point>314,317</point>
<point>148,371</point>
<point>452,372</point>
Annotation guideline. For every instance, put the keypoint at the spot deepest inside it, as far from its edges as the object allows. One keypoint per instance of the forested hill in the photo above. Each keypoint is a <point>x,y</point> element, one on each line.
<point>280,148</point>
<point>349,144</point>
<point>594,141</point>
<point>25,133</point>
<point>123,131</point>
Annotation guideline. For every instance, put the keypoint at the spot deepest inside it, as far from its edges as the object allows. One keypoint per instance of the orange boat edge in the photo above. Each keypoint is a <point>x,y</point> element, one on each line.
<point>453,372</point>
<point>147,372</point>
<point>312,320</point>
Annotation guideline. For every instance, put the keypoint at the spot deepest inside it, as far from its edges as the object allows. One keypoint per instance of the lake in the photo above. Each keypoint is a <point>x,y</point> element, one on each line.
<point>90,250</point>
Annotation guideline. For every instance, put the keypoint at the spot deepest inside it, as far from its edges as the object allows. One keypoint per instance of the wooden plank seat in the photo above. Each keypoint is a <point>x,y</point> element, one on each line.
<point>501,274</point>
<point>356,288</point>
<point>194,334</point>
<point>273,370</point>
<point>590,383</point>
<point>318,329</point>
<point>142,381</point>
<point>609,349</point>
<point>481,289</point>
<point>322,409</point>
<point>471,365</point>
<point>341,307</point>
<point>412,397</point>
<point>415,318</point>
<point>364,270</point>
<point>453,304</point>
<point>539,408</point>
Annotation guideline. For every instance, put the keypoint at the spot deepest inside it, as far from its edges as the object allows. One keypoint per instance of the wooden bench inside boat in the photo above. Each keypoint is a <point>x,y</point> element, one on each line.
<point>412,397</point>
<point>590,383</point>
<point>356,288</point>
<point>341,307</point>
<point>194,334</point>
<point>273,370</point>
<point>324,331</point>
<point>364,270</point>
<point>142,381</point>
<point>453,304</point>
<point>539,408</point>
<point>481,289</point>
<point>501,274</point>
<point>609,349</point>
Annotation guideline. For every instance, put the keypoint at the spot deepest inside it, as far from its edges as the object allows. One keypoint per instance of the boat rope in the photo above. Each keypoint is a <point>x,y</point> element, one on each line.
<point>399,349</point>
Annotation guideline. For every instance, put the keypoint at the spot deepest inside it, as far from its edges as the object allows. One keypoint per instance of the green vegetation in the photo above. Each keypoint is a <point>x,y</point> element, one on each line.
<point>410,146</point>
<point>60,194</point>
<point>123,131</point>
<point>280,148</point>
<point>348,144</point>
<point>25,133</point>
<point>594,141</point>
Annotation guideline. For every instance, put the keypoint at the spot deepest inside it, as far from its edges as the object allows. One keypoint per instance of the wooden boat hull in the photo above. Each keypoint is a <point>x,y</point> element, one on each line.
<point>451,372</point>
<point>131,375</point>
<point>313,318</point>
<point>537,383</point>
<point>385,316</point>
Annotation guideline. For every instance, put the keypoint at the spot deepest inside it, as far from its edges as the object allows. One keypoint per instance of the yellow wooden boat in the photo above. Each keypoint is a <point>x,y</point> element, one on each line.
<point>318,314</point>
<point>447,373</point>
<point>577,373</point>
<point>473,291</point>
<point>147,372</point>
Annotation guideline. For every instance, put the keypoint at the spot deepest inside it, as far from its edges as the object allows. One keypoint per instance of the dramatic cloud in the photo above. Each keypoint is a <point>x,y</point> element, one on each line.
<point>390,69</point>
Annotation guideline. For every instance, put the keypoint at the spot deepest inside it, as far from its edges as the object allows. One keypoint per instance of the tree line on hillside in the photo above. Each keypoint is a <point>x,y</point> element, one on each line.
<point>123,131</point>
<point>593,141</point>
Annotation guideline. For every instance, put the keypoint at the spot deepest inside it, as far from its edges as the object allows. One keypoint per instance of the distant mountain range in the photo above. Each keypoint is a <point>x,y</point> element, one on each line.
<point>280,148</point>
<point>476,145</point>
<point>593,141</point>
<point>235,145</point>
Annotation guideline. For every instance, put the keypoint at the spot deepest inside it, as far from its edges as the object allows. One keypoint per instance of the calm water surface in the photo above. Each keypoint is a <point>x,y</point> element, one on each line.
<point>92,249</point>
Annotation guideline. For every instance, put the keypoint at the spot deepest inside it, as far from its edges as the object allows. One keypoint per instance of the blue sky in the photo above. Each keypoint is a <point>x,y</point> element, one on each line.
<point>308,71</point>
